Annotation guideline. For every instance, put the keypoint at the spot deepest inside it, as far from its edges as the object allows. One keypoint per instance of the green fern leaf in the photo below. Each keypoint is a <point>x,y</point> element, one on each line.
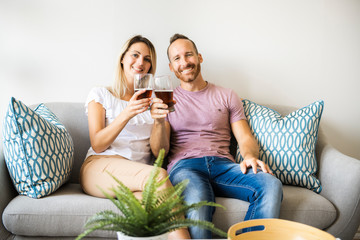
<point>149,194</point>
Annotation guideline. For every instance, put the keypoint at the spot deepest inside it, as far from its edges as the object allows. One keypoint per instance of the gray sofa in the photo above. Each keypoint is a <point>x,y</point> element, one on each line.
<point>62,214</point>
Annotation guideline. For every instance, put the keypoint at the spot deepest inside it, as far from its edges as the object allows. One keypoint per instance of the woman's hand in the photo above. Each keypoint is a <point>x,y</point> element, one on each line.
<point>101,136</point>
<point>135,106</point>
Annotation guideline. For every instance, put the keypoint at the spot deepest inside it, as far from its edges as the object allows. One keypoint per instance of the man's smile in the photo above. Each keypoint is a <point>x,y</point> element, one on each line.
<point>188,69</point>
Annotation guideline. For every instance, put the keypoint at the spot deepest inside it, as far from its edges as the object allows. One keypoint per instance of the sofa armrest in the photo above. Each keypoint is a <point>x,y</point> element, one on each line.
<point>340,180</point>
<point>8,191</point>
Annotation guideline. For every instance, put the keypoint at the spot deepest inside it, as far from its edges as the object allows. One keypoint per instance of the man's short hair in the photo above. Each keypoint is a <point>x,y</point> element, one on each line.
<point>177,36</point>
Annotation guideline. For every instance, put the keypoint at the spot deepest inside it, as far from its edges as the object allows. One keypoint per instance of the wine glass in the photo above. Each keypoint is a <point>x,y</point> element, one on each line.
<point>144,81</point>
<point>164,90</point>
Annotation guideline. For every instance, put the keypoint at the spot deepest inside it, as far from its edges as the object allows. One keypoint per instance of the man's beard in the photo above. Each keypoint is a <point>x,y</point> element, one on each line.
<point>195,75</point>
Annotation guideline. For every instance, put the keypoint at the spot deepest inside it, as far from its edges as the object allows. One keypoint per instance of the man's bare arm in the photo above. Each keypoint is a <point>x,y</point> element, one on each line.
<point>160,134</point>
<point>248,146</point>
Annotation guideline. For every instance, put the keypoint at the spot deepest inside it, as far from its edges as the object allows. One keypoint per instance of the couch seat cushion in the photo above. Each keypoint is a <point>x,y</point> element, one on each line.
<point>299,205</point>
<point>69,208</point>
<point>62,213</point>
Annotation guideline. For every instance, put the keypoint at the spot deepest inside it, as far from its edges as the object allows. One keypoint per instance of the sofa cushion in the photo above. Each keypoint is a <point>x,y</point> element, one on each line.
<point>69,208</point>
<point>287,144</point>
<point>299,205</point>
<point>38,149</point>
<point>307,207</point>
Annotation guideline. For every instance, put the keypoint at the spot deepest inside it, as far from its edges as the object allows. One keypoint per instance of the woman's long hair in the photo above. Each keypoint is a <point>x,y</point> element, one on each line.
<point>119,87</point>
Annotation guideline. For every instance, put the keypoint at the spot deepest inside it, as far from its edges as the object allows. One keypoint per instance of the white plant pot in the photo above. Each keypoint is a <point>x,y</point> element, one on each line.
<point>122,236</point>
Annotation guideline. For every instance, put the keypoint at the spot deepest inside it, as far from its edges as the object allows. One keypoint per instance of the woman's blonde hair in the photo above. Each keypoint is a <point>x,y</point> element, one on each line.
<point>119,86</point>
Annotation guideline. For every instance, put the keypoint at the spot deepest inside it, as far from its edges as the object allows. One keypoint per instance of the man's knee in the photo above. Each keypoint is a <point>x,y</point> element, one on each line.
<point>267,185</point>
<point>276,185</point>
<point>273,188</point>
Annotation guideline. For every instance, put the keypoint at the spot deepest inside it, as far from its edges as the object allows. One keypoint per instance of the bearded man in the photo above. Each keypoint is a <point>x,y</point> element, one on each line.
<point>197,136</point>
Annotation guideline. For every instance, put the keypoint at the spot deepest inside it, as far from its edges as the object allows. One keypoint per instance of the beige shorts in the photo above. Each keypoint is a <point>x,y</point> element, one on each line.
<point>93,174</point>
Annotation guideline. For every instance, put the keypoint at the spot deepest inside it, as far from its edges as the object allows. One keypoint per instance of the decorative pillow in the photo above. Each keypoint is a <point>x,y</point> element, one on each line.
<point>287,144</point>
<point>38,149</point>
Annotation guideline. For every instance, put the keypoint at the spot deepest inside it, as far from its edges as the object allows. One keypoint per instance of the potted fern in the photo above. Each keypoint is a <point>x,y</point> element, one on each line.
<point>157,213</point>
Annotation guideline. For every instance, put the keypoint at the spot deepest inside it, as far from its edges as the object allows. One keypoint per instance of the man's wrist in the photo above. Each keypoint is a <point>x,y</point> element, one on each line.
<point>160,121</point>
<point>250,156</point>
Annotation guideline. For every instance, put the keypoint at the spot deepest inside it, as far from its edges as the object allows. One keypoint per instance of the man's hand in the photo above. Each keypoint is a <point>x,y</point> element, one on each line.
<point>158,109</point>
<point>255,164</point>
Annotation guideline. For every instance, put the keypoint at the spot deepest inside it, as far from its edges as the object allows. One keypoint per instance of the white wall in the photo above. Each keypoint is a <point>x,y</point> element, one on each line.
<point>289,52</point>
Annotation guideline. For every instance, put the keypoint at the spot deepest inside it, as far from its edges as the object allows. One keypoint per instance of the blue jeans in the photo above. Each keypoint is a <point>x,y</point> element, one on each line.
<point>210,176</point>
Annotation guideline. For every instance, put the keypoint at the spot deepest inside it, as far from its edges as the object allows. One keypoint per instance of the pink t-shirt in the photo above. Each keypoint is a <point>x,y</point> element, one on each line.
<point>200,124</point>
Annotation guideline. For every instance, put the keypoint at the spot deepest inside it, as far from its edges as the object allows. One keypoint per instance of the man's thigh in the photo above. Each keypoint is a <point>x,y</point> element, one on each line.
<point>199,187</point>
<point>229,181</point>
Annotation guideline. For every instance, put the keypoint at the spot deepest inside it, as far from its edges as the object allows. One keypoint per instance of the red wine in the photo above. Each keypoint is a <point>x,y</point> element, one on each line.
<point>166,96</point>
<point>146,94</point>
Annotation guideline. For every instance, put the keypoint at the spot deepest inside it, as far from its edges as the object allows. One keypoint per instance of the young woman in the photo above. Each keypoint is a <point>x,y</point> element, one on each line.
<point>120,127</point>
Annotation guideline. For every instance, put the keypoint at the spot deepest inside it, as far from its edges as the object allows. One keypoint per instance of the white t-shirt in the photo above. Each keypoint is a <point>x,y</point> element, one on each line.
<point>133,141</point>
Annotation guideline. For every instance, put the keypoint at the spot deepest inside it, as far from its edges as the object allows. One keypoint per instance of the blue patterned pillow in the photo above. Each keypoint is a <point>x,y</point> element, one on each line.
<point>287,144</point>
<point>38,149</point>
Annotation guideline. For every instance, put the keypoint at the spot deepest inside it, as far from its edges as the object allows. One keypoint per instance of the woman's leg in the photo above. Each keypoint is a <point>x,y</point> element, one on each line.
<point>134,175</point>
<point>94,174</point>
